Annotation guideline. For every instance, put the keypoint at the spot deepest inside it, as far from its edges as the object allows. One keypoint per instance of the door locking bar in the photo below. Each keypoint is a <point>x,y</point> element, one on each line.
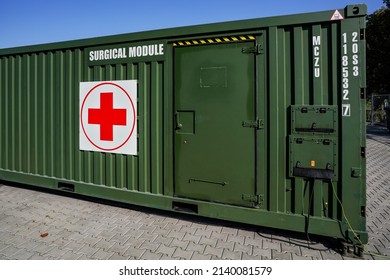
<point>258,124</point>
<point>208,181</point>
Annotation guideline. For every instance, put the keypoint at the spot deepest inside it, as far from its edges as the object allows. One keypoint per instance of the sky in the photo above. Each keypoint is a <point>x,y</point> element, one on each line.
<point>30,22</point>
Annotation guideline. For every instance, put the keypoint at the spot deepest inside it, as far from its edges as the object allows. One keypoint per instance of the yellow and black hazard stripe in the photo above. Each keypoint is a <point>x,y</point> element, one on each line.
<point>215,40</point>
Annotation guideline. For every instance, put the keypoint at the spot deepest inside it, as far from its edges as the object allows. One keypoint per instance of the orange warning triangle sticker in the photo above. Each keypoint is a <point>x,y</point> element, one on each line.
<point>337,16</point>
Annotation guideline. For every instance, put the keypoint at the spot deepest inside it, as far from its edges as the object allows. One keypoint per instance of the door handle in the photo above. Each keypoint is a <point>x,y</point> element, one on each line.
<point>178,125</point>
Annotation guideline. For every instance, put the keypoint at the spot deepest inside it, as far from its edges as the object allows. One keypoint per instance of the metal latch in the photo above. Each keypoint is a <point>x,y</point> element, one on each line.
<point>258,124</point>
<point>258,49</point>
<point>356,172</point>
<point>256,199</point>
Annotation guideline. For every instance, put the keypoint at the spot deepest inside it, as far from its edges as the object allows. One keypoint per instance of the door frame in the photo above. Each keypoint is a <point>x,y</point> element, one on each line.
<point>259,111</point>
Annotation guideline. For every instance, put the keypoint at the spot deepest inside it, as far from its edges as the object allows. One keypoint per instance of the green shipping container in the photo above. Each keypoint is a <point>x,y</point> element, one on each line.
<point>258,121</point>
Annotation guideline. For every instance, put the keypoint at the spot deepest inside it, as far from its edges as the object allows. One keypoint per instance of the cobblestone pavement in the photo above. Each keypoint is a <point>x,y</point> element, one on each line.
<point>378,191</point>
<point>40,225</point>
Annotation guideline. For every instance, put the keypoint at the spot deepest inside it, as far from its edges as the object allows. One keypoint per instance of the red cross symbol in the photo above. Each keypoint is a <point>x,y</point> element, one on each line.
<point>106,116</point>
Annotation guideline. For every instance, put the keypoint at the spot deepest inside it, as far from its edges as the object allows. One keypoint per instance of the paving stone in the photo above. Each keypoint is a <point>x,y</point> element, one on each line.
<point>326,255</point>
<point>384,251</point>
<point>22,254</point>
<point>253,241</point>
<point>219,235</point>
<point>56,252</point>
<point>291,249</point>
<point>192,238</point>
<point>246,233</point>
<point>148,228</point>
<point>70,255</point>
<point>196,247</point>
<point>118,257</point>
<point>106,235</point>
<point>2,257</point>
<point>171,220</point>
<point>165,250</point>
<point>348,258</point>
<point>202,232</point>
<point>165,257</point>
<point>136,243</point>
<point>216,229</point>
<point>189,230</point>
<point>6,236</point>
<point>183,254</point>
<point>250,257</point>
<point>198,256</point>
<point>228,230</point>
<point>281,256</point>
<point>72,245</point>
<point>236,239</point>
<point>151,246</point>
<point>102,255</point>
<point>271,245</point>
<point>29,245</point>
<point>175,227</point>
<point>229,255</point>
<point>213,251</point>
<point>180,244</point>
<point>87,250</point>
<point>161,231</point>
<point>315,254</point>
<point>42,248</point>
<point>196,225</point>
<point>184,223</point>
<point>243,248</point>
<point>3,245</point>
<point>208,241</point>
<point>36,257</point>
<point>262,252</point>
<point>134,253</point>
<point>134,226</point>
<point>17,240</point>
<point>76,236</point>
<point>225,245</point>
<point>103,244</point>
<point>176,234</point>
<point>121,239</point>
<point>118,248</point>
<point>65,233</point>
<point>148,236</point>
<point>60,242</point>
<point>164,240</point>
<point>152,256</point>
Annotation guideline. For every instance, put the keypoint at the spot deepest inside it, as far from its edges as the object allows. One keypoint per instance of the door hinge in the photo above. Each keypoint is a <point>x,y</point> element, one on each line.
<point>258,49</point>
<point>255,199</point>
<point>258,124</point>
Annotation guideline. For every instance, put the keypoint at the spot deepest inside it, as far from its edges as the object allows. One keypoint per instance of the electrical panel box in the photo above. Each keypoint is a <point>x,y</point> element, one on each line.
<point>314,119</point>
<point>313,157</point>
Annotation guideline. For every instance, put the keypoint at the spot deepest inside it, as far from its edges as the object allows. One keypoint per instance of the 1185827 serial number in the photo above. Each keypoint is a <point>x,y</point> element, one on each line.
<point>258,270</point>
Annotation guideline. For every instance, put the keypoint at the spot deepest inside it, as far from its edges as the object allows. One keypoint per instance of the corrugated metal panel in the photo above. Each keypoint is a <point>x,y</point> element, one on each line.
<point>291,82</point>
<point>39,107</point>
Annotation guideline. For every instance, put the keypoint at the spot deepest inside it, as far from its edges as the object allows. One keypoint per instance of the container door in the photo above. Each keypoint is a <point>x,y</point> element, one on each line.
<point>214,96</point>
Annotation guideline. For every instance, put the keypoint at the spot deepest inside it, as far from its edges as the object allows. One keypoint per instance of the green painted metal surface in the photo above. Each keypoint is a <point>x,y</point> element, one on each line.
<point>214,94</point>
<point>225,113</point>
